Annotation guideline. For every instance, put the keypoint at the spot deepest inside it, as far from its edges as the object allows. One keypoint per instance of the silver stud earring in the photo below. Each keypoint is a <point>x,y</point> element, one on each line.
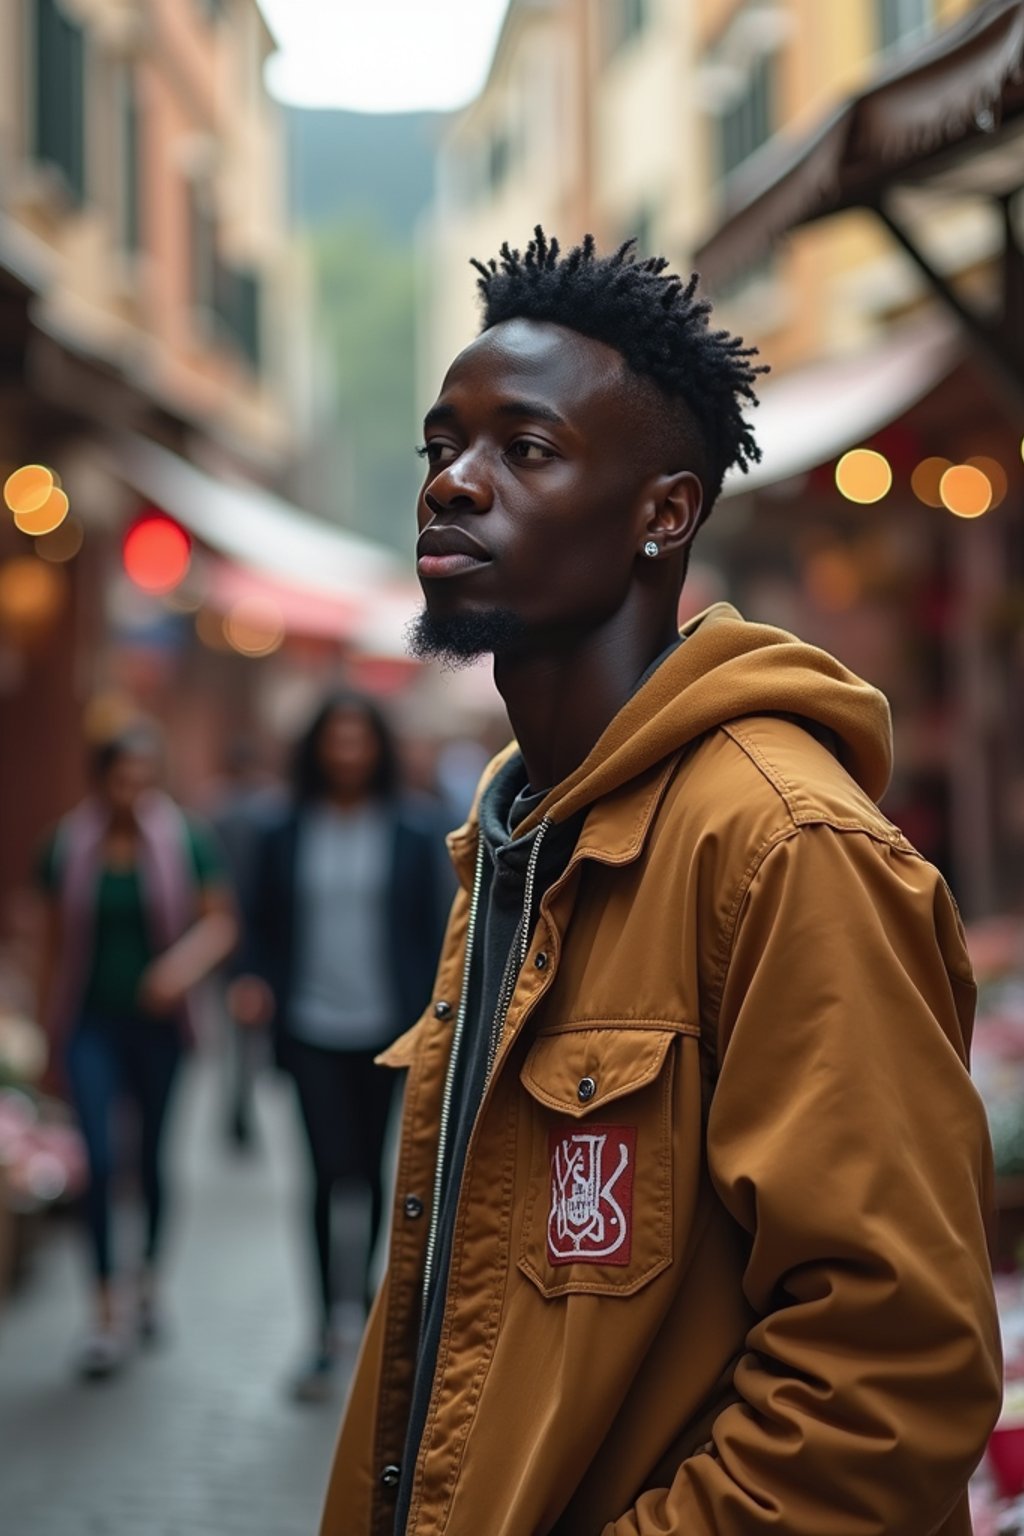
<point>651,550</point>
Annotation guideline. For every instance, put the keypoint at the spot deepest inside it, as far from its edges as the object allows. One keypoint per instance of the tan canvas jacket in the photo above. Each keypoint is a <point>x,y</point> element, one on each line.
<point>719,1265</point>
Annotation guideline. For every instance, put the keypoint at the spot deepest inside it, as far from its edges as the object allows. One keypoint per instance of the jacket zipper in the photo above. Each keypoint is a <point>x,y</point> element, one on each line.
<point>517,953</point>
<point>449,1081</point>
<point>513,965</point>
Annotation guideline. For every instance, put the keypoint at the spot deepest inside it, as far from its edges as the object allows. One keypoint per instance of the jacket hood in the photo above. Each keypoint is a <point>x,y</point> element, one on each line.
<point>729,668</point>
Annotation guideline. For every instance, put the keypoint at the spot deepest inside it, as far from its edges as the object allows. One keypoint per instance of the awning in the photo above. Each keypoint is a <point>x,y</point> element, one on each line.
<point>814,414</point>
<point>253,525</point>
<point>323,579</point>
<point>952,115</point>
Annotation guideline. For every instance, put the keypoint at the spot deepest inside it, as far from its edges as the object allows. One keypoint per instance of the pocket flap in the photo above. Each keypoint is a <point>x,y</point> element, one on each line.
<point>577,1071</point>
<point>400,1052</point>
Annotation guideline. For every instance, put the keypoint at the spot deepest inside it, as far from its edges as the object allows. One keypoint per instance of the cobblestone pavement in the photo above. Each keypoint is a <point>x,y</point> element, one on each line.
<point>198,1436</point>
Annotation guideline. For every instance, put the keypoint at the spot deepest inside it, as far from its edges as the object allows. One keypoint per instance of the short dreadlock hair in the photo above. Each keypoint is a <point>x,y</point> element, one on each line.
<point>656,323</point>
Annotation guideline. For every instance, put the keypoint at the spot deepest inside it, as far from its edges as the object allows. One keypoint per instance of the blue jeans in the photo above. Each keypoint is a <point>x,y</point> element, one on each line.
<point>108,1060</point>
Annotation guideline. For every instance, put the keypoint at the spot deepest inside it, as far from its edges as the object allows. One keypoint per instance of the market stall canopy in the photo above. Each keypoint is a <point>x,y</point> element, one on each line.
<point>252,525</point>
<point>951,117</point>
<point>323,579</point>
<point>814,414</point>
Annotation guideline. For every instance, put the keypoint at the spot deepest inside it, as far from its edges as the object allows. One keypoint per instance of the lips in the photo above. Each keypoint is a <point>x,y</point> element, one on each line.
<point>449,552</point>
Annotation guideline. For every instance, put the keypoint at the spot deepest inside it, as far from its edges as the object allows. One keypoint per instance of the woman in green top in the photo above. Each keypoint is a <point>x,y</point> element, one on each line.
<point>138,914</point>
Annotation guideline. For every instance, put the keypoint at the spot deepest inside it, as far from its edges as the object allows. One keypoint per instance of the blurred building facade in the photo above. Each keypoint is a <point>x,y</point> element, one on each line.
<point>670,121</point>
<point>144,266</point>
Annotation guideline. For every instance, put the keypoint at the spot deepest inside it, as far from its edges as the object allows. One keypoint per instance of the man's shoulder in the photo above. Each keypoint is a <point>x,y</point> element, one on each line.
<point>774,773</point>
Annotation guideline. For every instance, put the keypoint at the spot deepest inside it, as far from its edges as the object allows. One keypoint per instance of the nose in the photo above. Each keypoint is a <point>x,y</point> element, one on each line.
<point>461,486</point>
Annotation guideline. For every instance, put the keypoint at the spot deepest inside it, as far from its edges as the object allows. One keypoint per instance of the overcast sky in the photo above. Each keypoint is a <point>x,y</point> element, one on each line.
<point>382,55</point>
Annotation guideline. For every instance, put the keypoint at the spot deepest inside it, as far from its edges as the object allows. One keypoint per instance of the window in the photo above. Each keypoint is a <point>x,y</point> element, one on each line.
<point>746,120</point>
<point>624,21</point>
<point>901,19</point>
<point>58,137</point>
<point>237,308</point>
<point>202,248</point>
<point>227,299</point>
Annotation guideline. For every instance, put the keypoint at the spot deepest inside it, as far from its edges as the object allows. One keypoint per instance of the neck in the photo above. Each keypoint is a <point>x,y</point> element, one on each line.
<point>561,699</point>
<point>346,799</point>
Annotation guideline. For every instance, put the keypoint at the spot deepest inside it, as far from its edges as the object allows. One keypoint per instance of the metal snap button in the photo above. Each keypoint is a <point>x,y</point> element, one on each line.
<point>540,959</point>
<point>586,1089</point>
<point>391,1475</point>
<point>413,1206</point>
<point>442,1009</point>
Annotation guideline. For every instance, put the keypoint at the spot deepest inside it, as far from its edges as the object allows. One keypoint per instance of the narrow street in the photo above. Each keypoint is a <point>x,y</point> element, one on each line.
<point>197,1436</point>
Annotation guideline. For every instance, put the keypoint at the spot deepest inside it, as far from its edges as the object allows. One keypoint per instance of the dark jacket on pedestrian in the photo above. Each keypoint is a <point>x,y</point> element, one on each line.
<point>419,892</point>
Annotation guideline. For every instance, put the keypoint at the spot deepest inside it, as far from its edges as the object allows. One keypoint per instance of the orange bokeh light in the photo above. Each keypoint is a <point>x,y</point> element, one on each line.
<point>924,482</point>
<point>31,593</point>
<point>994,473</point>
<point>63,543</point>
<point>28,488</point>
<point>45,518</point>
<point>832,580</point>
<point>863,475</point>
<point>966,490</point>
<point>255,627</point>
<point>157,553</point>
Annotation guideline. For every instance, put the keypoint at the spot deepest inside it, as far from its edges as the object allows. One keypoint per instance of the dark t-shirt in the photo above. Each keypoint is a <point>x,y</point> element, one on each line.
<point>122,948</point>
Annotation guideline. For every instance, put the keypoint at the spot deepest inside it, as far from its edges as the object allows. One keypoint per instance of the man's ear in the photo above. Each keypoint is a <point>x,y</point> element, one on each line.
<point>671,511</point>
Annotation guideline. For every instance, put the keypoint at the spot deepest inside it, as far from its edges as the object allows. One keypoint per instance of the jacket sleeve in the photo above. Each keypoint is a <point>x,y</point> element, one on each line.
<point>846,1139</point>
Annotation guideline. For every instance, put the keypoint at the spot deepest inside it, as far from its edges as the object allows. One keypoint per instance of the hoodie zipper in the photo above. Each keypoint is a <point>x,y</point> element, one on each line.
<point>513,965</point>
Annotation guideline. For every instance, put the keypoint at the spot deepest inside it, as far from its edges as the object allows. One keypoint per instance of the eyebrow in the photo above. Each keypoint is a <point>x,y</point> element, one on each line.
<point>438,414</point>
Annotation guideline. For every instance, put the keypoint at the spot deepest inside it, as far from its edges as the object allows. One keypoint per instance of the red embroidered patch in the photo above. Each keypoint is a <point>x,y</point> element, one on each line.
<point>591,1217</point>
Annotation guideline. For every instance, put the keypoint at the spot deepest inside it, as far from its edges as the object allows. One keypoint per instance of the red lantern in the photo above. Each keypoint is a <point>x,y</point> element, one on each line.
<point>157,553</point>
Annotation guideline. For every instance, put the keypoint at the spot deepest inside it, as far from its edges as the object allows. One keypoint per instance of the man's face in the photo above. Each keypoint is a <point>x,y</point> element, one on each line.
<point>528,507</point>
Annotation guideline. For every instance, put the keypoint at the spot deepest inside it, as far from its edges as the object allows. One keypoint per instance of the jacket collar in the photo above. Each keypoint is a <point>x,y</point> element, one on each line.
<point>614,832</point>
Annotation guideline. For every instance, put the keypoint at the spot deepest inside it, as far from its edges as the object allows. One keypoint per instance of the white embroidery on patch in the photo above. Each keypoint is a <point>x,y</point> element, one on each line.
<point>587,1221</point>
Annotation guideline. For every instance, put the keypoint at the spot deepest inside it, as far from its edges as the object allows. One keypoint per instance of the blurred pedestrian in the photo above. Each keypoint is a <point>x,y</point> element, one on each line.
<point>351,899</point>
<point>244,803</point>
<point>137,914</point>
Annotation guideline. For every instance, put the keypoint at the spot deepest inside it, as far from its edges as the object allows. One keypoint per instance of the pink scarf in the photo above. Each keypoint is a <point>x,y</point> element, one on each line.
<point>168,887</point>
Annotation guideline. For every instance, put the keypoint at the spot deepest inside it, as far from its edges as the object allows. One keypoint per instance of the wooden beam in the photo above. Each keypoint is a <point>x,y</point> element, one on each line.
<point>1000,349</point>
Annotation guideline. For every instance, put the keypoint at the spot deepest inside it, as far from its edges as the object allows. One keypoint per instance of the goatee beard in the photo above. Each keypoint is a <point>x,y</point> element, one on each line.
<point>461,638</point>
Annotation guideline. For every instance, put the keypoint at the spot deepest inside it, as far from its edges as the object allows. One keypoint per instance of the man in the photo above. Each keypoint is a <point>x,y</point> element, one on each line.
<point>688,1232</point>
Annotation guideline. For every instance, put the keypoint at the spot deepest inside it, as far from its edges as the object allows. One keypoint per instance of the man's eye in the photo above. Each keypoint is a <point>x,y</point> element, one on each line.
<point>436,452</point>
<point>525,451</point>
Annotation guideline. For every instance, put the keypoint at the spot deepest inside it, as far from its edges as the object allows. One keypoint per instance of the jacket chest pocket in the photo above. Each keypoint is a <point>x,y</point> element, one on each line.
<point>597,1214</point>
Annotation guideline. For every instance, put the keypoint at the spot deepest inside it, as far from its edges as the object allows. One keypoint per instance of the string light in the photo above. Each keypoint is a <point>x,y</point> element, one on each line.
<point>864,476</point>
<point>255,627</point>
<point>63,543</point>
<point>45,518</point>
<point>30,593</point>
<point>210,630</point>
<point>966,490</point>
<point>924,482</point>
<point>832,580</point>
<point>994,473</point>
<point>28,487</point>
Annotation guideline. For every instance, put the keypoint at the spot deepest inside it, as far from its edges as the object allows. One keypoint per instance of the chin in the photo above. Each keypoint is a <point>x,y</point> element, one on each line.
<point>459,638</point>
